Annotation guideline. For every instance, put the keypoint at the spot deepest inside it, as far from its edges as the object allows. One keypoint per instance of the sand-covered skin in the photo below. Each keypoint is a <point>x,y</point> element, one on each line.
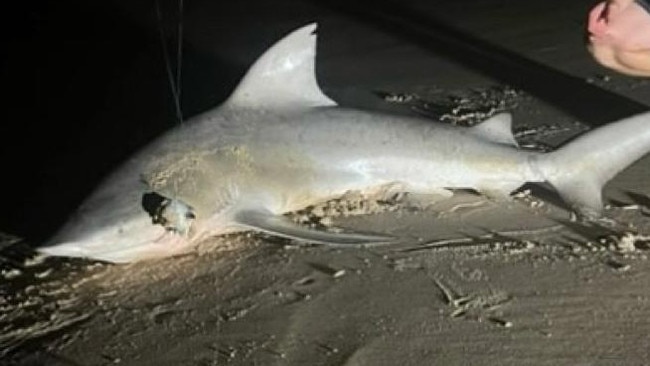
<point>474,280</point>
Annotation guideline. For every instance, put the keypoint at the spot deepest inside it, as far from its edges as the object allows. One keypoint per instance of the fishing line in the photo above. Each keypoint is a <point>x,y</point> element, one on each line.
<point>174,83</point>
<point>179,53</point>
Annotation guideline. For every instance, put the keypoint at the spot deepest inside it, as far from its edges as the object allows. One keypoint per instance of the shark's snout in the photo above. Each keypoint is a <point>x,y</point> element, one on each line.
<point>119,230</point>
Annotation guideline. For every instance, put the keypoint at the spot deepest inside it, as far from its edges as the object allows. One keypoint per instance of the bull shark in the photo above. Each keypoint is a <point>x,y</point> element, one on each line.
<point>279,144</point>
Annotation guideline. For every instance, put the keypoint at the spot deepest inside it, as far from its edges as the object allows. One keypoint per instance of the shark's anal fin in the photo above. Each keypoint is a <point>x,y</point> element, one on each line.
<point>281,226</point>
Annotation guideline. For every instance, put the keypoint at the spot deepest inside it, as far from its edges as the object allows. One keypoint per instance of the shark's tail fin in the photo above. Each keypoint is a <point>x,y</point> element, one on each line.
<point>580,169</point>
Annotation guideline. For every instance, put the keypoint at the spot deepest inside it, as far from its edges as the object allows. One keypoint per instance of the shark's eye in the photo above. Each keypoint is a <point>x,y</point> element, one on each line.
<point>172,214</point>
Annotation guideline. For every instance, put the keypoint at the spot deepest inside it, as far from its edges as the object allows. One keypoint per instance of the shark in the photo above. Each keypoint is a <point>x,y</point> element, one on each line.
<point>278,144</point>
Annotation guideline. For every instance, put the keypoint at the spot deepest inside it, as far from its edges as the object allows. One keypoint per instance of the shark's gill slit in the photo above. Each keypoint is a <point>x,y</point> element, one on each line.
<point>172,214</point>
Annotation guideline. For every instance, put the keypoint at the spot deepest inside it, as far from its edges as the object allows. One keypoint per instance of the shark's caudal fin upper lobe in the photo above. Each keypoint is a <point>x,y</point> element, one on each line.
<point>581,168</point>
<point>284,76</point>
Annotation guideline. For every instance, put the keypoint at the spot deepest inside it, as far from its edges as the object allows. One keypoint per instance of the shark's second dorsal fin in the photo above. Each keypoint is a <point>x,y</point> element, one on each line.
<point>497,128</point>
<point>284,76</point>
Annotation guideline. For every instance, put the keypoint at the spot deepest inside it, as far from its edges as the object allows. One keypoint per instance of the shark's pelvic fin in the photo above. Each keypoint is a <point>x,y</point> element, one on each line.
<point>284,76</point>
<point>497,128</point>
<point>265,221</point>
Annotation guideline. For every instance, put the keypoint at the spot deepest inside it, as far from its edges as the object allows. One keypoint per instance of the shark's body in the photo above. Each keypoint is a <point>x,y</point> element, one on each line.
<point>279,144</point>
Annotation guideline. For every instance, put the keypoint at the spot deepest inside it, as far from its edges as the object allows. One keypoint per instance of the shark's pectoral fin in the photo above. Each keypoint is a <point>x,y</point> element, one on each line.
<point>282,226</point>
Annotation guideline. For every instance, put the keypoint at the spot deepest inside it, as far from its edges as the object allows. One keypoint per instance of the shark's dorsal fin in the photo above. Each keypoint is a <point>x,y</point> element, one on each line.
<point>497,128</point>
<point>284,76</point>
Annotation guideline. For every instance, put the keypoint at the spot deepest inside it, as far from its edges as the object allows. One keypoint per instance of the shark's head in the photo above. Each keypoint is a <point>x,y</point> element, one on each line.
<point>126,220</point>
<point>125,225</point>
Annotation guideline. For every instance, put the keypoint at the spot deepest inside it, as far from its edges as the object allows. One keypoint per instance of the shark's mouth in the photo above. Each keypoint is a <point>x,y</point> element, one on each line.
<point>174,215</point>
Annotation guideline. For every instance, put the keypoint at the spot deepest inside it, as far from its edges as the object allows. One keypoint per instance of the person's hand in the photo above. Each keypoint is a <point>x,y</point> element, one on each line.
<point>619,36</point>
